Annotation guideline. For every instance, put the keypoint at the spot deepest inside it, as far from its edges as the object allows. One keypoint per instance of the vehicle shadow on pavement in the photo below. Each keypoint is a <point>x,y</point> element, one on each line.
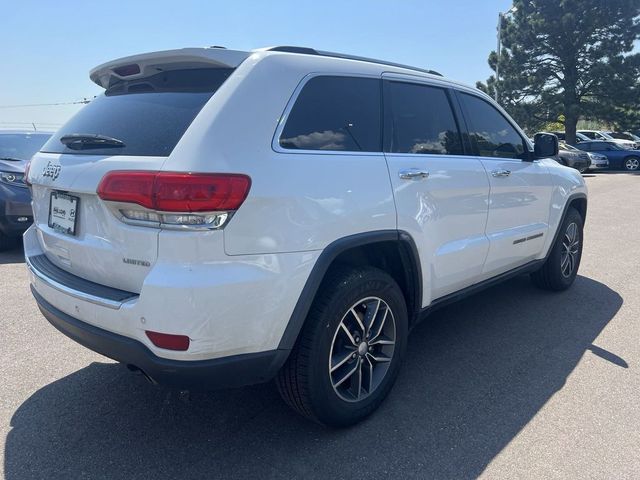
<point>475,374</point>
<point>13,255</point>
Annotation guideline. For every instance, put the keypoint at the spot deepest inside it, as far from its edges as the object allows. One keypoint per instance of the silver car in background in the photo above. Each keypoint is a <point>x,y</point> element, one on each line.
<point>598,161</point>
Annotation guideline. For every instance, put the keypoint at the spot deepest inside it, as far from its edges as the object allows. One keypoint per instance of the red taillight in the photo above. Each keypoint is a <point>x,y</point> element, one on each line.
<point>128,187</point>
<point>26,173</point>
<point>176,192</point>
<point>168,341</point>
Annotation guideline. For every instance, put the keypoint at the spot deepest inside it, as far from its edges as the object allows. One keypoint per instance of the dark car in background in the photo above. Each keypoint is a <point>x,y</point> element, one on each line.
<point>572,157</point>
<point>619,157</point>
<point>16,148</point>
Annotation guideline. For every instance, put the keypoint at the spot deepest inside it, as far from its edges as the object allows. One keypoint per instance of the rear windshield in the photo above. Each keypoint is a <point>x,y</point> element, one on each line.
<point>149,116</point>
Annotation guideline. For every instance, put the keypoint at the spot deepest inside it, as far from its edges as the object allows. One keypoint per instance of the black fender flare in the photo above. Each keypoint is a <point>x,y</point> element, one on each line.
<point>408,254</point>
<point>567,204</point>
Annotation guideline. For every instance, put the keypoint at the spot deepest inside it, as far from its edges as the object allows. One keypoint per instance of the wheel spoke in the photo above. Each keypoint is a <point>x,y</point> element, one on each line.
<point>348,333</point>
<point>341,362</point>
<point>379,330</point>
<point>359,320</point>
<point>370,356</point>
<point>348,375</point>
<point>359,382</point>
<point>372,317</point>
<point>370,387</point>
<point>382,341</point>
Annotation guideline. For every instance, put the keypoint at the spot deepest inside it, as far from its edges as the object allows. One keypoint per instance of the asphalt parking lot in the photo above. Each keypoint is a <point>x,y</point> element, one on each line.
<point>510,383</point>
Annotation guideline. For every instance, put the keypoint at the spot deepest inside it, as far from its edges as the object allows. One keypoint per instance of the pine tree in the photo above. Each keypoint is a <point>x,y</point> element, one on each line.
<point>569,59</point>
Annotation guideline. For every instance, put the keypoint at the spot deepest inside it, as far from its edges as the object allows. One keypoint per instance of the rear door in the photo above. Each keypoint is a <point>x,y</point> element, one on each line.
<point>441,194</point>
<point>142,120</point>
<point>518,219</point>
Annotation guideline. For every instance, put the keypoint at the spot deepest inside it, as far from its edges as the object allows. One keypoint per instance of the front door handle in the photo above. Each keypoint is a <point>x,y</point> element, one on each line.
<point>501,173</point>
<point>413,174</point>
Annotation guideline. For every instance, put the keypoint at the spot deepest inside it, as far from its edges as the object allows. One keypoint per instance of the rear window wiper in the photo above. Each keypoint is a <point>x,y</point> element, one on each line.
<point>82,141</point>
<point>11,159</point>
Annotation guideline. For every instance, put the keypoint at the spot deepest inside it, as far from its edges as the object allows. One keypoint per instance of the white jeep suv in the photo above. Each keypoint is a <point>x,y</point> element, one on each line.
<point>218,218</point>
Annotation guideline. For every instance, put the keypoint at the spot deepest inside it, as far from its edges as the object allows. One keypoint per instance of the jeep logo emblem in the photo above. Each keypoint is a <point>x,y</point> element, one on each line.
<point>51,170</point>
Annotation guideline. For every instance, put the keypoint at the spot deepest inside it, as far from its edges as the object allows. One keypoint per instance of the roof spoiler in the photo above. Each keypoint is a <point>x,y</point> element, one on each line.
<point>144,65</point>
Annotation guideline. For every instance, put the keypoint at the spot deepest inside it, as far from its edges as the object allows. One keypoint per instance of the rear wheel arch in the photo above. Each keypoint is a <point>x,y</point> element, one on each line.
<point>392,251</point>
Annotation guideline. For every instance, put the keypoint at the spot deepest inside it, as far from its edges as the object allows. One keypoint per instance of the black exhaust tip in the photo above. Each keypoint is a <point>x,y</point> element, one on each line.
<point>139,371</point>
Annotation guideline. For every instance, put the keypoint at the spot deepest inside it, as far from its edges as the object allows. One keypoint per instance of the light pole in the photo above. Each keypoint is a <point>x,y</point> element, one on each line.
<point>500,17</point>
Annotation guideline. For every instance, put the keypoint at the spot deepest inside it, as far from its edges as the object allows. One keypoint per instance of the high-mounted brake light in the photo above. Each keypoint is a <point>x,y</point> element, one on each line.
<point>195,199</point>
<point>127,70</point>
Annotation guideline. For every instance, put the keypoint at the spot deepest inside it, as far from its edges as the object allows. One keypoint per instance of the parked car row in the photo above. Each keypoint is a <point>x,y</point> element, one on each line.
<point>625,139</point>
<point>606,152</point>
<point>617,155</point>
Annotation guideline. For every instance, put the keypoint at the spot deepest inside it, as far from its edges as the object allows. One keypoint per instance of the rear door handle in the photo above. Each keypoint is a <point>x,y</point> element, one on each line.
<point>501,173</point>
<point>413,174</point>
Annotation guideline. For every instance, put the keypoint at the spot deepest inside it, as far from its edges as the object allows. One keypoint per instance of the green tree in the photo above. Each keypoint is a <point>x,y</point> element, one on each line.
<point>569,59</point>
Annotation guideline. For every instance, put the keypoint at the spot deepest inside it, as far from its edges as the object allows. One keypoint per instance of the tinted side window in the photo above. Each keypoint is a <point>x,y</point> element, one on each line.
<point>335,113</point>
<point>585,146</point>
<point>490,131</point>
<point>422,120</point>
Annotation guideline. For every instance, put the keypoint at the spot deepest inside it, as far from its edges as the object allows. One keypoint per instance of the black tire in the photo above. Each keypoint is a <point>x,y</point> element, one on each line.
<point>305,382</point>
<point>631,164</point>
<point>554,274</point>
<point>7,243</point>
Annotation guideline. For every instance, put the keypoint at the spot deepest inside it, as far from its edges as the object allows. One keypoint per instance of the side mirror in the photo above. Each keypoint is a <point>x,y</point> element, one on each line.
<point>545,145</point>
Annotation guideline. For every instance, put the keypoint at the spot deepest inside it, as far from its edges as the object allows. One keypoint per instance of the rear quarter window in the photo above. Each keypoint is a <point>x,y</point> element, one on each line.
<point>335,113</point>
<point>149,115</point>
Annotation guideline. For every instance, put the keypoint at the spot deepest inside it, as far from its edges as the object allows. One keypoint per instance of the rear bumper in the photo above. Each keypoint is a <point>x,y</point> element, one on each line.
<point>225,372</point>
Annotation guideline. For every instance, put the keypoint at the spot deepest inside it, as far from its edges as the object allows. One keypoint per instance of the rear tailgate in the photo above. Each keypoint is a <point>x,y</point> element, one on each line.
<point>103,249</point>
<point>142,116</point>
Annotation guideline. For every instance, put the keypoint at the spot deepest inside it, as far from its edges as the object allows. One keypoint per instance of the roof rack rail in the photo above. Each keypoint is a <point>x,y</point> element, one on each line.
<point>322,53</point>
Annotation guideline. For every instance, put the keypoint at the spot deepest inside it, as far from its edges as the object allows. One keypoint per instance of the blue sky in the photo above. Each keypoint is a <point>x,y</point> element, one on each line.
<point>49,47</point>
